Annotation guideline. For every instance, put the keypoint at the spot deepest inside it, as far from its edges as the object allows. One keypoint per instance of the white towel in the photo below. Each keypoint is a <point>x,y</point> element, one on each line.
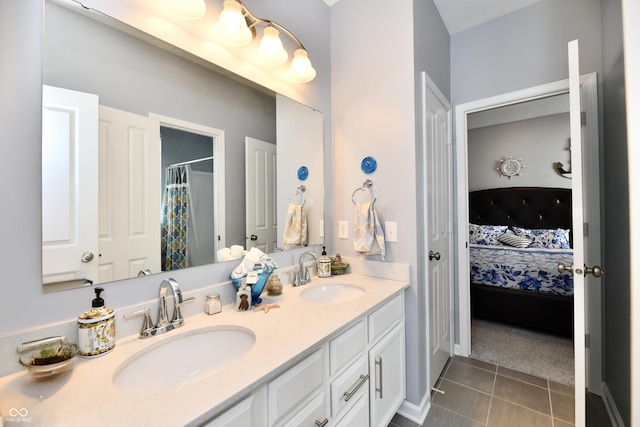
<point>295,227</point>
<point>251,258</point>
<point>368,235</point>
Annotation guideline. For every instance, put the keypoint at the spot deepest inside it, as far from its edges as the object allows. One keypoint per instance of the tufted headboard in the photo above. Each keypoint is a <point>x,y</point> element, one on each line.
<point>528,207</point>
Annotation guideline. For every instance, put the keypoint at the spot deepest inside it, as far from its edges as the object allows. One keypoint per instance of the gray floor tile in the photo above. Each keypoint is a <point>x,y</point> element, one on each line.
<point>563,407</point>
<point>521,376</point>
<point>475,362</point>
<point>560,423</point>
<point>523,394</point>
<point>506,414</point>
<point>441,417</point>
<point>597,415</point>
<point>473,377</point>
<point>463,400</point>
<point>569,390</point>
<point>400,421</point>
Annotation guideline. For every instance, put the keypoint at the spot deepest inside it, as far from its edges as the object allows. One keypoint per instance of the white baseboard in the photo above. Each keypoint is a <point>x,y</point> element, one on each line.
<point>612,409</point>
<point>417,414</point>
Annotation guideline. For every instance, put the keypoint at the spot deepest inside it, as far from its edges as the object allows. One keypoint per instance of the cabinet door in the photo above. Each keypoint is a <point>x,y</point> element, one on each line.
<point>249,412</point>
<point>312,414</point>
<point>358,415</point>
<point>387,383</point>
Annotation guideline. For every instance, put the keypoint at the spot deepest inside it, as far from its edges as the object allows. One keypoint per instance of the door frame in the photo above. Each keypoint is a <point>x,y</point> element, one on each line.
<point>588,84</point>
<point>219,196</point>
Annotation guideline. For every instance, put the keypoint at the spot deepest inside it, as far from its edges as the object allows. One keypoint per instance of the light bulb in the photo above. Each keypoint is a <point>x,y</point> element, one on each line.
<point>186,9</point>
<point>232,27</point>
<point>301,69</point>
<point>271,51</point>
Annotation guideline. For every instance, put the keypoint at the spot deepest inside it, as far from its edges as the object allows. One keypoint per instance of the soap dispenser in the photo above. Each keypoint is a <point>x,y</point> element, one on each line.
<point>324,264</point>
<point>96,328</point>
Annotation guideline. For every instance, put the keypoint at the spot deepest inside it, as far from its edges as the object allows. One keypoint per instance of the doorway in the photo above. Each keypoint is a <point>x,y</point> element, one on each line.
<point>590,136</point>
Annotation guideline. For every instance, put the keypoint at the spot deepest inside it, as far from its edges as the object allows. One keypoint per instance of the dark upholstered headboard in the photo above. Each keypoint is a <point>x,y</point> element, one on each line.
<point>528,207</point>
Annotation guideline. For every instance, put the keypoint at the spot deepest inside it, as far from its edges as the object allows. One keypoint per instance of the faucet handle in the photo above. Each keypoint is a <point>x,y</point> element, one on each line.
<point>177,316</point>
<point>147,323</point>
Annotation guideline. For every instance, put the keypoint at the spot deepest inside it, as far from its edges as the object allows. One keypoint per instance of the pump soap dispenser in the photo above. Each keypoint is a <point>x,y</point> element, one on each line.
<point>324,264</point>
<point>96,329</point>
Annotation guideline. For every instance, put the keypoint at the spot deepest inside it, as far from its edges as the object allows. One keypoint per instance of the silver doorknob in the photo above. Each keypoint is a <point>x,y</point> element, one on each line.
<point>86,257</point>
<point>434,255</point>
<point>596,271</point>
<point>253,237</point>
<point>565,269</point>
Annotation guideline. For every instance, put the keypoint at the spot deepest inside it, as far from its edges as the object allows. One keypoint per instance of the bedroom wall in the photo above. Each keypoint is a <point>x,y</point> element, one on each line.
<point>539,142</point>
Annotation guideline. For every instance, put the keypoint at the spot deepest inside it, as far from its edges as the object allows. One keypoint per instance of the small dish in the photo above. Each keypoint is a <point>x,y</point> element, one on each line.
<point>340,268</point>
<point>47,359</point>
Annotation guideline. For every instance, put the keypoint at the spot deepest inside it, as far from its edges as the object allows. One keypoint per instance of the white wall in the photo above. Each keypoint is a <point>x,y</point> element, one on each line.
<point>539,142</point>
<point>23,304</point>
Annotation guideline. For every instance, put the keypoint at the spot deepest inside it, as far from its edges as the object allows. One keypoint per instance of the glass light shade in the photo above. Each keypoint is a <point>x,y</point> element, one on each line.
<point>301,69</point>
<point>271,51</point>
<point>232,27</point>
<point>186,9</point>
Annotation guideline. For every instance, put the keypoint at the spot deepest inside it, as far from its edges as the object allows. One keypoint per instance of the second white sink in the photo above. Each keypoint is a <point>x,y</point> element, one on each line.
<point>331,293</point>
<point>184,359</point>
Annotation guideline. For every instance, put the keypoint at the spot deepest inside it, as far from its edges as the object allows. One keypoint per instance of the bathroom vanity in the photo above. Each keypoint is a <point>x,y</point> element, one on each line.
<point>311,362</point>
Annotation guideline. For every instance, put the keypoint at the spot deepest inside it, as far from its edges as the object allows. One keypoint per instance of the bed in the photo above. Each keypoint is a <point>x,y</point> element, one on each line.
<point>521,286</point>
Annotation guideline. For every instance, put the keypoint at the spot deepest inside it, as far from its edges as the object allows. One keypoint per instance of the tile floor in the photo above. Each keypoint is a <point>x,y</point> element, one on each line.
<point>480,394</point>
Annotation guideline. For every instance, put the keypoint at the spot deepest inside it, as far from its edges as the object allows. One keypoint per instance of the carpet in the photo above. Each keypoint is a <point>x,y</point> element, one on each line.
<point>534,353</point>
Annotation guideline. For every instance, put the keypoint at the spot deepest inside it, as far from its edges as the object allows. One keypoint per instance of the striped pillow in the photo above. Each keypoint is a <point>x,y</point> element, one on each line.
<point>513,240</point>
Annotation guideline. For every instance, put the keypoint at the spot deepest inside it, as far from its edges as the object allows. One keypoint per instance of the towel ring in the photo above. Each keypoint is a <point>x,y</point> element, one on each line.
<point>300,191</point>
<point>367,184</point>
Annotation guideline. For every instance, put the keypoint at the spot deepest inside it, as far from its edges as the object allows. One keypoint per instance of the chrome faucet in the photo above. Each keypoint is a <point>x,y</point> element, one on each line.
<point>302,276</point>
<point>164,324</point>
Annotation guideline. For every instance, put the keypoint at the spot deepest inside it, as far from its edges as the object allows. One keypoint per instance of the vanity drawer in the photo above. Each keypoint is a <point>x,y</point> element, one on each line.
<point>352,381</point>
<point>347,346</point>
<point>385,318</point>
<point>293,388</point>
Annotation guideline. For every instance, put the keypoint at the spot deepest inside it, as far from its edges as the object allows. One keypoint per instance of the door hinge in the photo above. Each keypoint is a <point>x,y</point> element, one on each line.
<point>450,228</point>
<point>587,340</point>
<point>585,229</point>
<point>449,141</point>
<point>451,316</point>
<point>583,118</point>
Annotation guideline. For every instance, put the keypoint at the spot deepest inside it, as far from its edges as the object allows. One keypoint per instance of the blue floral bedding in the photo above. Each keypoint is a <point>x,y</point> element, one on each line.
<point>531,269</point>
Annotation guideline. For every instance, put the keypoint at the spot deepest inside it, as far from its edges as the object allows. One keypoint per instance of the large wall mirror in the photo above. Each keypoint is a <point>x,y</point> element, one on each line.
<point>131,125</point>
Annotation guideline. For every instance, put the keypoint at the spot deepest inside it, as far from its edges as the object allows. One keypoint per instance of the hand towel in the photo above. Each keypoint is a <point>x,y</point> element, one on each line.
<point>229,254</point>
<point>253,257</point>
<point>295,227</point>
<point>368,235</point>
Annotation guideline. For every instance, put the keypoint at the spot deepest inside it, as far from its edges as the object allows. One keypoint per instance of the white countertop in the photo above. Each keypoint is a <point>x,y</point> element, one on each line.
<point>87,396</point>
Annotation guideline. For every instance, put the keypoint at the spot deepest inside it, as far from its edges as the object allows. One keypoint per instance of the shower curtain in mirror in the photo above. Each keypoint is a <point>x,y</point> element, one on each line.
<point>175,218</point>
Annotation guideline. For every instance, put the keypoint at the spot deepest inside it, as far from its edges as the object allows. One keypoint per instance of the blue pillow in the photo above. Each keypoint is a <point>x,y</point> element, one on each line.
<point>551,239</point>
<point>485,234</point>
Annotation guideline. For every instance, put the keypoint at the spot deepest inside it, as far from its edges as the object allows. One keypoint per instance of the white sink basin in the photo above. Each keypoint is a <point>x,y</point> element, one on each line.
<point>187,358</point>
<point>331,293</point>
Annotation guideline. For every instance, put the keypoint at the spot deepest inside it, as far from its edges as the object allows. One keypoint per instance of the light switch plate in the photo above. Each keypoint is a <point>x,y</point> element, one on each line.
<point>322,228</point>
<point>343,229</point>
<point>391,231</point>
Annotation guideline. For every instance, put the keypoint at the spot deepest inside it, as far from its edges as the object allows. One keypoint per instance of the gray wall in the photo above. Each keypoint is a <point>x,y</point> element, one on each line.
<point>134,76</point>
<point>524,49</point>
<point>617,331</point>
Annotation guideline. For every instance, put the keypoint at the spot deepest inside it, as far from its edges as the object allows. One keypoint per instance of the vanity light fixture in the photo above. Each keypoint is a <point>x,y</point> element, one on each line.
<point>237,27</point>
<point>186,9</point>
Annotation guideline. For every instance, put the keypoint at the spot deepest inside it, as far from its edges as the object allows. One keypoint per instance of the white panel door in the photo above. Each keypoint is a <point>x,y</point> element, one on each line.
<point>260,183</point>
<point>69,185</point>
<point>437,187</point>
<point>129,194</point>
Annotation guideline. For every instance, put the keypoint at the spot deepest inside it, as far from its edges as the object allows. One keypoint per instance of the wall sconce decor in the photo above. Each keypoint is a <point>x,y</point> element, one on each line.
<point>510,167</point>
<point>236,26</point>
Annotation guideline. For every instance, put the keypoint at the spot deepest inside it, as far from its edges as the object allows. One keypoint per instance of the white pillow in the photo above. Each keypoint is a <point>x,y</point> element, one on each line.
<point>511,239</point>
<point>485,234</point>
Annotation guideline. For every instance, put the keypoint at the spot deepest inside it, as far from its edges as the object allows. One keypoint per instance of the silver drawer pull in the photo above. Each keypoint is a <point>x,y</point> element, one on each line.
<point>379,364</point>
<point>322,423</point>
<point>349,394</point>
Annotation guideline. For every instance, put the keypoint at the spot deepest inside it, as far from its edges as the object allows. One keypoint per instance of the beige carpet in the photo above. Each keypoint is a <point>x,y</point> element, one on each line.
<point>534,353</point>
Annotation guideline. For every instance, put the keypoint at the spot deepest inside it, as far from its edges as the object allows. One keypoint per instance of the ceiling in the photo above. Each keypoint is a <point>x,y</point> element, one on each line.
<point>460,15</point>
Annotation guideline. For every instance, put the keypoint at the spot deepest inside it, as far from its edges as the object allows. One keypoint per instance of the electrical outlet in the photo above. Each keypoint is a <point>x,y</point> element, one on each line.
<point>391,231</point>
<point>343,229</point>
<point>322,228</point>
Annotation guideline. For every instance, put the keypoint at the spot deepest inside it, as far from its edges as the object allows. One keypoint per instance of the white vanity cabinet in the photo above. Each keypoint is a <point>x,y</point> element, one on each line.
<point>355,379</point>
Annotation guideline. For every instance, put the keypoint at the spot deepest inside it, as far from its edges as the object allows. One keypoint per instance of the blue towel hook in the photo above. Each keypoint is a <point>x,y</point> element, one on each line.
<point>367,184</point>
